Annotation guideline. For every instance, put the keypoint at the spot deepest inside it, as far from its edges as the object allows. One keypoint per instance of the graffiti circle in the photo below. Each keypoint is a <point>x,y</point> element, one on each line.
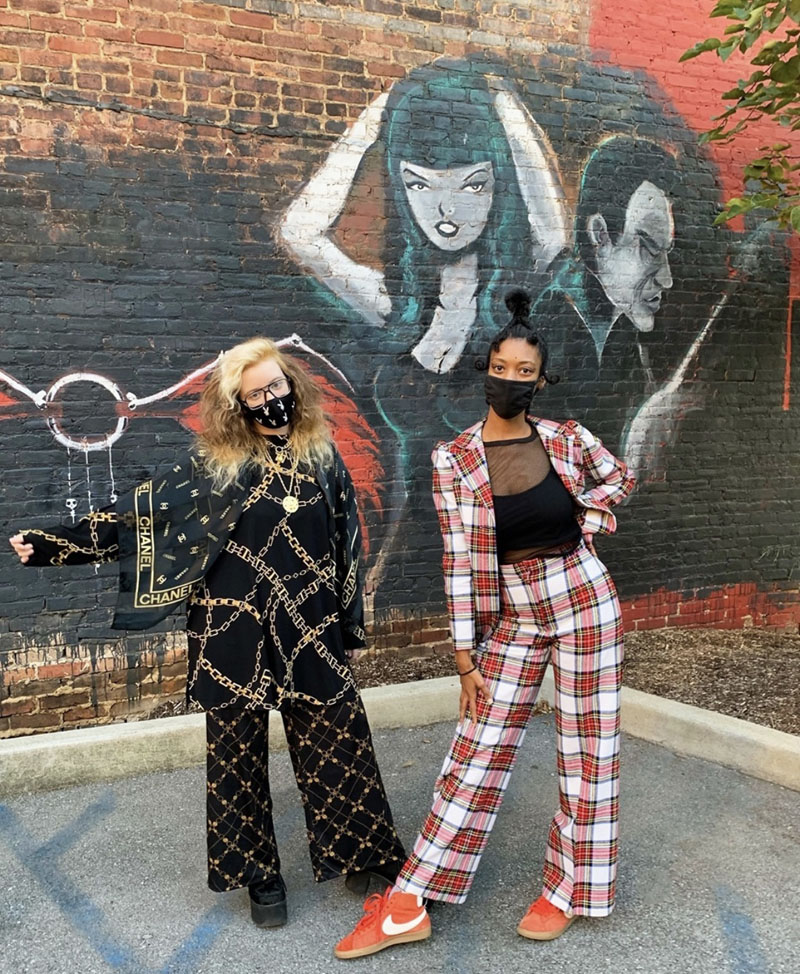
<point>86,444</point>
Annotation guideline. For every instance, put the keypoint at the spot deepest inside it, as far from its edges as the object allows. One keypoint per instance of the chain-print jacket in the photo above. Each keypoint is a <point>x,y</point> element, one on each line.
<point>462,494</point>
<point>167,532</point>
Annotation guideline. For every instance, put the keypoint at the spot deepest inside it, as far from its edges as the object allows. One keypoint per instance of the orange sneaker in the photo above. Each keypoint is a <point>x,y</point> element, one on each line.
<point>389,918</point>
<point>543,921</point>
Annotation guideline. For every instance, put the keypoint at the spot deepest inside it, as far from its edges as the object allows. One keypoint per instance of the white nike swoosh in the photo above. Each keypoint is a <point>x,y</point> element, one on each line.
<point>391,929</point>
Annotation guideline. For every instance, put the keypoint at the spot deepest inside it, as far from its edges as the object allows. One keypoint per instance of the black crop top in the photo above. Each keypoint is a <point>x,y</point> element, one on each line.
<point>534,511</point>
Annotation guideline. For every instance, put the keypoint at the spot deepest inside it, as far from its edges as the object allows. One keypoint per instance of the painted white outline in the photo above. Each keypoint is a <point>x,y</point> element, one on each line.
<point>135,401</point>
<point>297,341</point>
<point>86,445</point>
<point>42,399</point>
<point>37,397</point>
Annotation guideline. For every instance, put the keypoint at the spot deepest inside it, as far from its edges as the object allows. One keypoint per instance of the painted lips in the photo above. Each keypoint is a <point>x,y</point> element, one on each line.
<point>447,229</point>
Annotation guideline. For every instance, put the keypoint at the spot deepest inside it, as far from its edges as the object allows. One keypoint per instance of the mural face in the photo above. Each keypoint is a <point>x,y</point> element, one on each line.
<point>634,271</point>
<point>451,206</point>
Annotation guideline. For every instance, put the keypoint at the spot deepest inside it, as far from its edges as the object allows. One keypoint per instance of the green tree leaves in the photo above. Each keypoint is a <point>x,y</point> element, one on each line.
<point>773,90</point>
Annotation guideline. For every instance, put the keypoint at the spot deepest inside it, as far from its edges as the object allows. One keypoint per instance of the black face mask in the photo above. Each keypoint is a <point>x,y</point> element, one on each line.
<point>275,413</point>
<point>508,397</point>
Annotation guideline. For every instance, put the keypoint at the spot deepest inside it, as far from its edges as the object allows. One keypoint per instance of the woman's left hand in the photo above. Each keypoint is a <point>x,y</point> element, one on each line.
<point>354,654</point>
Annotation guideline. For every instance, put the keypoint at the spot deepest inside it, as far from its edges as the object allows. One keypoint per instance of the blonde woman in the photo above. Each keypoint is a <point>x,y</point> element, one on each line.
<point>256,533</point>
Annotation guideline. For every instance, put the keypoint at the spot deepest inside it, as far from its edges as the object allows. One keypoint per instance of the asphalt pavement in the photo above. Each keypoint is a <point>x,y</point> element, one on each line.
<point>111,877</point>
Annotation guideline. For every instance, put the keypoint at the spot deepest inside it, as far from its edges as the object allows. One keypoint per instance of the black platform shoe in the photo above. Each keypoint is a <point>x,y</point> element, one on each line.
<point>268,903</point>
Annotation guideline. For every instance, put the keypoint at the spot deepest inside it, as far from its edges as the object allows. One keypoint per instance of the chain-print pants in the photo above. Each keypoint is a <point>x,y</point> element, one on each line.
<point>564,607</point>
<point>348,820</point>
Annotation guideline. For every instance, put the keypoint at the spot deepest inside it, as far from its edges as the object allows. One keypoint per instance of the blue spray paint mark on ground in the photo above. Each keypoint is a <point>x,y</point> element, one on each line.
<point>79,909</point>
<point>741,939</point>
<point>65,839</point>
<point>87,918</point>
<point>198,943</point>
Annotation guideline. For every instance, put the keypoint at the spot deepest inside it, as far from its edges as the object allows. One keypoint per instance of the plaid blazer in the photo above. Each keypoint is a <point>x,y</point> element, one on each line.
<point>462,494</point>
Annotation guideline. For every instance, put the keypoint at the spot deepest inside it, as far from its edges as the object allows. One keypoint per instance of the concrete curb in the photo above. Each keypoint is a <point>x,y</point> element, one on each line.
<point>94,754</point>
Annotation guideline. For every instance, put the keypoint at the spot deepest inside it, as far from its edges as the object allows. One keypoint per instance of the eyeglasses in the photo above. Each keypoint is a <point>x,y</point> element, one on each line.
<point>276,388</point>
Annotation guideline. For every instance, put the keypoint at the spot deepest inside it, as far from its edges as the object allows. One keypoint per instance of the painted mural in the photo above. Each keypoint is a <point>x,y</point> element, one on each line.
<point>483,174</point>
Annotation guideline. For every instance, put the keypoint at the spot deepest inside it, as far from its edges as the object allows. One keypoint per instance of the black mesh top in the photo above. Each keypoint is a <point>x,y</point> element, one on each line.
<point>534,511</point>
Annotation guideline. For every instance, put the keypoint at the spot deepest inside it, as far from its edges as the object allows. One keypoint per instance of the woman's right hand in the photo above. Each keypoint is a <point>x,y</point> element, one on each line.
<point>472,687</point>
<point>22,550</point>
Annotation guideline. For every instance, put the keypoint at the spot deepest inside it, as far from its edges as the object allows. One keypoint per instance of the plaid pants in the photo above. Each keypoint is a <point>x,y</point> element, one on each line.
<point>565,606</point>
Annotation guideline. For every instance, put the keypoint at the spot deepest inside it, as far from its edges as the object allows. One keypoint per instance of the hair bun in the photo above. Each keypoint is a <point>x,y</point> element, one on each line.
<point>518,303</point>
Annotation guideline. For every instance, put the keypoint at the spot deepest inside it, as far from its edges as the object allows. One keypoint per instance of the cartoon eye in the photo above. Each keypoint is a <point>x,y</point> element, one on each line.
<point>416,184</point>
<point>476,186</point>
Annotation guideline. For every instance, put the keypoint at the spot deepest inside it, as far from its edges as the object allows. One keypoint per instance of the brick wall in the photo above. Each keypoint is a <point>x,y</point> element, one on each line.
<point>170,185</point>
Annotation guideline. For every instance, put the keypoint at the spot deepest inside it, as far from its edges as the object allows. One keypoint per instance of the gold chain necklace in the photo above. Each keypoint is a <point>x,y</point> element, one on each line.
<point>289,502</point>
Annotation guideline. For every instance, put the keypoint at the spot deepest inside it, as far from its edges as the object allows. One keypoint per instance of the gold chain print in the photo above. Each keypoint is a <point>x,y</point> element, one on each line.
<point>67,547</point>
<point>277,566</point>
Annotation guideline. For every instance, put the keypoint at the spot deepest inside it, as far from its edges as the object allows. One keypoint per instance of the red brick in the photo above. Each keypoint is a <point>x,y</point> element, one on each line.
<point>394,640</point>
<point>231,65</point>
<point>59,701</point>
<point>307,27</point>
<point>90,679</point>
<point>256,52</point>
<point>341,32</point>
<point>204,11</point>
<point>315,77</point>
<point>180,58</point>
<point>153,140</point>
<point>122,35</point>
<point>56,670</point>
<point>90,82</point>
<point>43,6</point>
<point>20,38</point>
<point>16,674</point>
<point>14,705</point>
<point>33,75</point>
<point>431,635</point>
<point>117,85</point>
<point>82,714</point>
<point>73,46</point>
<point>56,25</point>
<point>171,93</point>
<point>385,69</point>
<point>34,721</point>
<point>242,34</point>
<point>106,15</point>
<point>13,20</point>
<point>385,40</point>
<point>115,693</point>
<point>160,38</point>
<point>246,18</point>
<point>104,67</point>
<point>359,97</point>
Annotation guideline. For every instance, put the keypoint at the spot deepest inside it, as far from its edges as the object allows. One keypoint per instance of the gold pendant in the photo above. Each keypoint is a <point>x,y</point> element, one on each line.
<point>290,504</point>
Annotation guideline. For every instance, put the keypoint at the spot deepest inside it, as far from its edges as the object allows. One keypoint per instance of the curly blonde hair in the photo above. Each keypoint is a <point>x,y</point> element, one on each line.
<point>228,442</point>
